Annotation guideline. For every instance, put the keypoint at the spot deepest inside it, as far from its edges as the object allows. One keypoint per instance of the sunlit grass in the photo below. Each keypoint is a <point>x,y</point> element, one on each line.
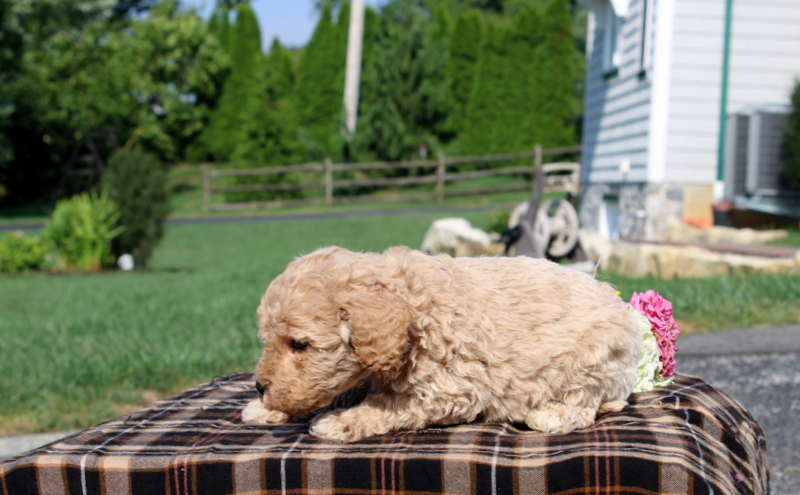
<point>79,349</point>
<point>722,303</point>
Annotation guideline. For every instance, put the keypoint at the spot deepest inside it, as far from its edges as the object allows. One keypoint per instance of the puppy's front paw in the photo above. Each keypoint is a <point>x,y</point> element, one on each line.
<point>255,412</point>
<point>342,425</point>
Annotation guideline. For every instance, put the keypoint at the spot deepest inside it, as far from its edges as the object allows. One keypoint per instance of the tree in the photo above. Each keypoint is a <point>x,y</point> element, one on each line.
<point>465,49</point>
<point>486,129</point>
<point>28,164</point>
<point>405,97</point>
<point>792,140</point>
<point>220,137</point>
<point>220,25</point>
<point>320,84</point>
<point>269,135</point>
<point>555,117</point>
<point>280,70</point>
<point>156,74</point>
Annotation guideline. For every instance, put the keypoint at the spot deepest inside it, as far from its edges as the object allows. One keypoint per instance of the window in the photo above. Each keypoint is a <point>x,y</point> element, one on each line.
<point>645,56</point>
<point>612,54</point>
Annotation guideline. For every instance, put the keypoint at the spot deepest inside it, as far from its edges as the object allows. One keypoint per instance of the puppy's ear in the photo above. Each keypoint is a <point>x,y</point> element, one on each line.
<point>378,316</point>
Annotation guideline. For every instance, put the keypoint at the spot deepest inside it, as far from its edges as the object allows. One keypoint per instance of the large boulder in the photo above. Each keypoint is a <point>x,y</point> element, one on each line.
<point>457,237</point>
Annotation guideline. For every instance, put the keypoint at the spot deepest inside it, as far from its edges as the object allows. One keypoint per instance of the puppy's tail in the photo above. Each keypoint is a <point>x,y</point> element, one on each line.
<point>612,406</point>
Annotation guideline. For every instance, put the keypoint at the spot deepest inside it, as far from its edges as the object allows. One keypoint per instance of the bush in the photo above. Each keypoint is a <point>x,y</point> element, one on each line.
<point>20,253</point>
<point>81,230</point>
<point>792,140</point>
<point>137,182</point>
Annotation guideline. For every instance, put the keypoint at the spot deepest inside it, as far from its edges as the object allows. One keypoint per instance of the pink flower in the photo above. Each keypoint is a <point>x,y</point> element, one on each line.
<point>659,312</point>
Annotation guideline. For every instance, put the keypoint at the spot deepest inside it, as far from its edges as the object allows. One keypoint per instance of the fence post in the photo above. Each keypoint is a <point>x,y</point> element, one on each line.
<point>328,181</point>
<point>206,188</point>
<point>441,172</point>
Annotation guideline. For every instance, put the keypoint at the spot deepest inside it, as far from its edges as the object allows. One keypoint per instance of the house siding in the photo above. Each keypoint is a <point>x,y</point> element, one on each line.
<point>765,52</point>
<point>764,61</point>
<point>617,108</point>
<point>696,78</point>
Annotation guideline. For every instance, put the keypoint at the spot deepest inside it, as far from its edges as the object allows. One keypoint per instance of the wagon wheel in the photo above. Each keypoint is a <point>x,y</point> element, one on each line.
<point>556,225</point>
<point>563,225</point>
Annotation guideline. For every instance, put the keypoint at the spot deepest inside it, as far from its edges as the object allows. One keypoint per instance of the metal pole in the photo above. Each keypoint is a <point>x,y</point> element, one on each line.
<point>352,77</point>
<point>527,245</point>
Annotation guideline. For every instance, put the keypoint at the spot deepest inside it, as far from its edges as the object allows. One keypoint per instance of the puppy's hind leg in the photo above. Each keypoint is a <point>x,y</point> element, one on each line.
<point>559,418</point>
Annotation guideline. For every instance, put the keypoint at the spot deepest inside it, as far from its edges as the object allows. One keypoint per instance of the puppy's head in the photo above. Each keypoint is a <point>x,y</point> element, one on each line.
<point>326,323</point>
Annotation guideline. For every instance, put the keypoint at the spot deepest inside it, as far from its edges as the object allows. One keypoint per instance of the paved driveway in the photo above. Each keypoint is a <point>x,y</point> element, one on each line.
<point>761,369</point>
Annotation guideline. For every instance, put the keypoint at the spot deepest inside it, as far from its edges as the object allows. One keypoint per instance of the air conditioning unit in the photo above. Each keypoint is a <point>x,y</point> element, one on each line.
<point>754,161</point>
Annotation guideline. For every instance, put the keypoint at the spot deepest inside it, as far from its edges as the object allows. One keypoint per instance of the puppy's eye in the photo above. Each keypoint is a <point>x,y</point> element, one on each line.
<point>300,346</point>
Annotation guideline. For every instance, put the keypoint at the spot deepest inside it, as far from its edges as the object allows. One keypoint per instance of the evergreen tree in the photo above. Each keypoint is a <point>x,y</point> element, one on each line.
<point>221,136</point>
<point>522,107</point>
<point>554,81</point>
<point>280,70</point>
<point>320,85</point>
<point>405,97</point>
<point>220,26</point>
<point>465,50</point>
<point>269,135</point>
<point>485,130</point>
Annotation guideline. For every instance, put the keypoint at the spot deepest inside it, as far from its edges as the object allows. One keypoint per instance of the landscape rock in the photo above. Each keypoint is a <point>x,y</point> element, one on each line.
<point>638,260</point>
<point>457,237</point>
<point>680,232</point>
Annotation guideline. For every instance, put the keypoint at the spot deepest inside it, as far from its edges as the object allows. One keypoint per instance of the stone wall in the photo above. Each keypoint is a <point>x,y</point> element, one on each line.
<point>641,211</point>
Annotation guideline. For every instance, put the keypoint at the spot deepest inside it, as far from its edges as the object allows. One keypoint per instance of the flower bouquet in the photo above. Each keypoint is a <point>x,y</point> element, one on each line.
<point>659,332</point>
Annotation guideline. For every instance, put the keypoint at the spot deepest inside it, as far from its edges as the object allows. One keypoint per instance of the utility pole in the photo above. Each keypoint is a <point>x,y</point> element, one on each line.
<point>352,76</point>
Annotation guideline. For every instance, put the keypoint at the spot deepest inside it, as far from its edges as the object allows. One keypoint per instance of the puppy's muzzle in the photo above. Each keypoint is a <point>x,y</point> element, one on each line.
<point>260,387</point>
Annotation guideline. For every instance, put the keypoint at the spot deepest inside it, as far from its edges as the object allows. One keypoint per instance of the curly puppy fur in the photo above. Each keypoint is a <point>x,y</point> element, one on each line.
<point>442,341</point>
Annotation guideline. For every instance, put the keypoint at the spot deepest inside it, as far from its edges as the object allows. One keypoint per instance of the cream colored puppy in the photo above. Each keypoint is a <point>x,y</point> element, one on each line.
<point>441,341</point>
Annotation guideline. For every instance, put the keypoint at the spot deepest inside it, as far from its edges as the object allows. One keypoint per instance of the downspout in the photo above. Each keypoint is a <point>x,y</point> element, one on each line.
<point>719,185</point>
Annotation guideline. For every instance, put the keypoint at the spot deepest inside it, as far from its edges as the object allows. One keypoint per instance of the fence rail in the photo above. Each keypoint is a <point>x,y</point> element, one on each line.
<point>320,177</point>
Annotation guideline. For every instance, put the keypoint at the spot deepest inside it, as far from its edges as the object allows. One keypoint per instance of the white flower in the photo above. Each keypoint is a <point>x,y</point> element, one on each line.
<point>649,372</point>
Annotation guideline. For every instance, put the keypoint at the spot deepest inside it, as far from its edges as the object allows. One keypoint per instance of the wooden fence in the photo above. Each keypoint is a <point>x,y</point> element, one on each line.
<point>320,177</point>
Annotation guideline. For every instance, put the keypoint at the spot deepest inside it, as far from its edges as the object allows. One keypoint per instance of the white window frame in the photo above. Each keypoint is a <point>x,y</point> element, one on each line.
<point>612,46</point>
<point>646,48</point>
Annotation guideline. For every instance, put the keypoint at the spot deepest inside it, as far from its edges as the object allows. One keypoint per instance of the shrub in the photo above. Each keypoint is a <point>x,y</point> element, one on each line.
<point>792,140</point>
<point>81,230</point>
<point>21,253</point>
<point>136,181</point>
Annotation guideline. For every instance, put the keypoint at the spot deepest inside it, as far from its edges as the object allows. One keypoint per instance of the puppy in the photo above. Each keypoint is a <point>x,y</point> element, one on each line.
<point>435,340</point>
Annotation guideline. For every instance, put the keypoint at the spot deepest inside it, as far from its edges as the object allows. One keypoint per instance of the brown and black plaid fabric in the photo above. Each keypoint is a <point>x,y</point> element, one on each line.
<point>685,438</point>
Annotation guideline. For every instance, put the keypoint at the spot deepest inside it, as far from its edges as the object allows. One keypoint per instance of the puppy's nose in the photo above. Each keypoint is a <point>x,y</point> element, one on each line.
<point>260,387</point>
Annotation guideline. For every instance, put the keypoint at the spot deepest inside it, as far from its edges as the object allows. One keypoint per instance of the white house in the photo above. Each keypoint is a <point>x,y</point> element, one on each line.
<point>663,78</point>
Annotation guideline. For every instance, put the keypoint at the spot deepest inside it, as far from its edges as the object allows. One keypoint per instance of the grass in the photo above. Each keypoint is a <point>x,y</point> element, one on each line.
<point>76,350</point>
<point>79,349</point>
<point>722,303</point>
<point>792,240</point>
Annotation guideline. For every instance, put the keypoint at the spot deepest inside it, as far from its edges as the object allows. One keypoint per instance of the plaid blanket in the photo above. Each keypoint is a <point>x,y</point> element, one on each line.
<point>685,438</point>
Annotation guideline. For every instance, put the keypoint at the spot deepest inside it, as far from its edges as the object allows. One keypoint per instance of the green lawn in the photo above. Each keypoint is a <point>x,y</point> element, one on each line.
<point>78,349</point>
